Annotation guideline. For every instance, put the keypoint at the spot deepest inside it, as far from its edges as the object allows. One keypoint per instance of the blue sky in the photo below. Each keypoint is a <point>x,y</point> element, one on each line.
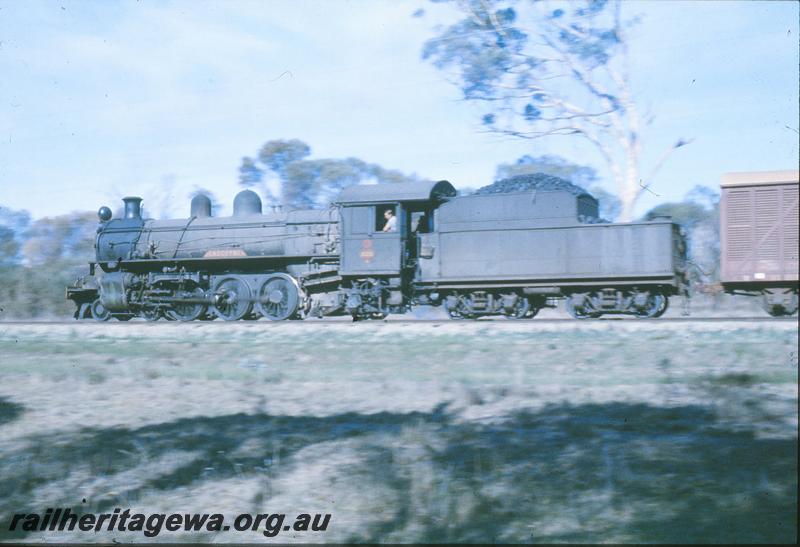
<point>104,99</point>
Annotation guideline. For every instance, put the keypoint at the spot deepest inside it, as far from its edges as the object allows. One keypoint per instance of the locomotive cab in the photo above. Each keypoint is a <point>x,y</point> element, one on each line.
<point>367,250</point>
<point>377,266</point>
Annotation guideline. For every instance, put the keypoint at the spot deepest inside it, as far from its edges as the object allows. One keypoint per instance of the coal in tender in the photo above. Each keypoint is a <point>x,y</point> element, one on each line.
<point>539,182</point>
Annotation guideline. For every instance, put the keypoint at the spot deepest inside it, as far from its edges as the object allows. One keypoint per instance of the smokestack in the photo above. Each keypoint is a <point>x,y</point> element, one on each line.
<point>133,207</point>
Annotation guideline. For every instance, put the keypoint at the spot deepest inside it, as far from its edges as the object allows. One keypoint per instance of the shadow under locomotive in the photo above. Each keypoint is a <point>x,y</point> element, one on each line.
<point>383,249</point>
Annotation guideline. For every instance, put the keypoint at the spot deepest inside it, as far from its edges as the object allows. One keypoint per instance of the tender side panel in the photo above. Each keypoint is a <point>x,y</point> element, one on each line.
<point>613,251</point>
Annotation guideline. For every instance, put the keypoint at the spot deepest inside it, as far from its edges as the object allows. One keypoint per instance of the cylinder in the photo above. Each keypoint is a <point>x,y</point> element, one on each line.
<point>133,207</point>
<point>246,203</point>
<point>201,206</point>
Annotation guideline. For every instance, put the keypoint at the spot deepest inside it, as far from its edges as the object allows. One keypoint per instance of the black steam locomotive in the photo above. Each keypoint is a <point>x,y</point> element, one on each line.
<point>507,254</point>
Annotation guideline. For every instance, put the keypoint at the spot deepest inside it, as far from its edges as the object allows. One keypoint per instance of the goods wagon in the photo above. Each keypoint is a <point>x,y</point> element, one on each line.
<point>759,237</point>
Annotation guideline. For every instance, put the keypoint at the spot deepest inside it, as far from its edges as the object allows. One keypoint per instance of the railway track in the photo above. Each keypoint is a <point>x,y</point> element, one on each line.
<point>340,320</point>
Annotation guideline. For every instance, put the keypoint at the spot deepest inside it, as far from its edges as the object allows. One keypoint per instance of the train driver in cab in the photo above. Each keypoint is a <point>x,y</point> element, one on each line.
<point>391,221</point>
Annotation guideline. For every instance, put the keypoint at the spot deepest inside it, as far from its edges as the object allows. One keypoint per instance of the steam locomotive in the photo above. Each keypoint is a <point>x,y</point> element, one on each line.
<point>507,254</point>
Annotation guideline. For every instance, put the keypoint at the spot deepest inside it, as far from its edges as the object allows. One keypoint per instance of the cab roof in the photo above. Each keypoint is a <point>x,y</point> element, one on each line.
<point>397,191</point>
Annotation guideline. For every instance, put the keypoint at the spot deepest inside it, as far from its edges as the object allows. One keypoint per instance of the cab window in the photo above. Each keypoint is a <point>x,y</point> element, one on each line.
<point>386,215</point>
<point>360,219</point>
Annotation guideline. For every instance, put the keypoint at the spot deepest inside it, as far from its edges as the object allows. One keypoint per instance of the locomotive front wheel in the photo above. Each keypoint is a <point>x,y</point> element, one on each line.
<point>85,311</point>
<point>278,297</point>
<point>232,298</point>
<point>99,311</point>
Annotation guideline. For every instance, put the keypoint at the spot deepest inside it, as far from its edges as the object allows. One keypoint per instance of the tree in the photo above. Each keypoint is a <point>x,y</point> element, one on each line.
<point>13,225</point>
<point>543,72</point>
<point>38,259</point>
<point>9,247</point>
<point>698,215</point>
<point>285,175</point>
<point>67,237</point>
<point>580,175</point>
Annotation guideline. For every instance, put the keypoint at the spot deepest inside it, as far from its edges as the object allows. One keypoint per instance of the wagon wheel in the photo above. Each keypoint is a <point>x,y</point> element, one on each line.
<point>521,309</point>
<point>151,313</point>
<point>187,311</point>
<point>232,298</point>
<point>655,307</point>
<point>99,311</point>
<point>278,297</point>
<point>778,309</point>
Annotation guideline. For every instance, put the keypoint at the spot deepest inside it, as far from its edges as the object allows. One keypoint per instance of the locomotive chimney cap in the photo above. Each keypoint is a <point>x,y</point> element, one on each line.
<point>133,206</point>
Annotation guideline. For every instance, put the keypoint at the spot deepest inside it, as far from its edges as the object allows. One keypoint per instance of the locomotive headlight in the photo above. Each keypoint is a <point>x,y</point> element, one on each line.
<point>104,214</point>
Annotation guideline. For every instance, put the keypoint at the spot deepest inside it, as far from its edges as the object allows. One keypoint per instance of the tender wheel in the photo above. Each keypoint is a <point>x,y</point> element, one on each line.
<point>458,307</point>
<point>278,297</point>
<point>533,312</point>
<point>663,307</point>
<point>232,298</point>
<point>452,307</point>
<point>655,307</point>
<point>578,312</point>
<point>187,311</point>
<point>522,309</point>
<point>99,311</point>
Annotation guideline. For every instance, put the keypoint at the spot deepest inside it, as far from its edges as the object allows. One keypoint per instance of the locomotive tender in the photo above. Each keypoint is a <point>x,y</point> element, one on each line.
<point>493,254</point>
